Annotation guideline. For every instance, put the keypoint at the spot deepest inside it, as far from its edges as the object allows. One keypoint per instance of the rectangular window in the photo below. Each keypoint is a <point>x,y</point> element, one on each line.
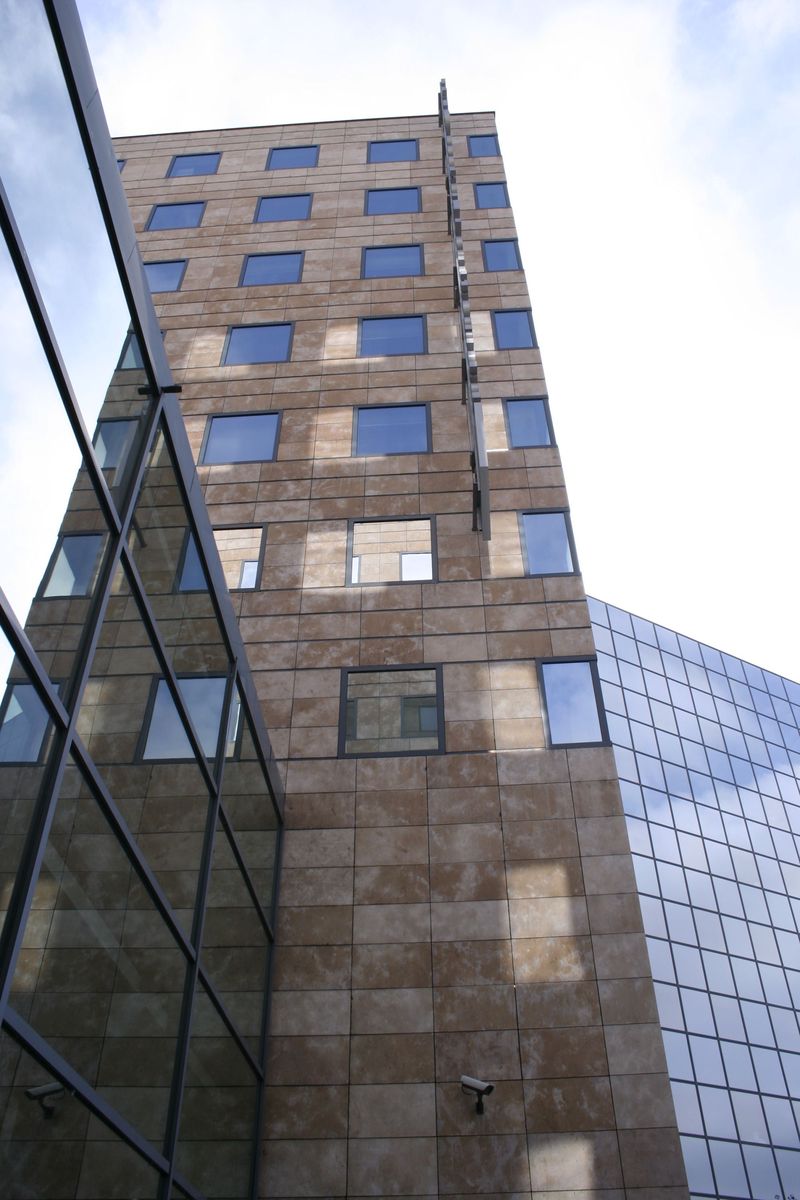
<point>483,145</point>
<point>392,429</point>
<point>261,269</point>
<point>528,422</point>
<point>245,437</point>
<point>400,150</point>
<point>547,543</point>
<point>131,357</point>
<point>23,725</point>
<point>74,568</point>
<point>382,336</point>
<point>193,164</point>
<point>501,255</point>
<point>241,551</point>
<point>570,695</point>
<point>176,216</point>
<point>513,329</point>
<point>165,276</point>
<point>491,195</point>
<point>204,697</point>
<point>112,443</point>
<point>257,344</point>
<point>284,208</point>
<point>392,200</point>
<point>395,711</point>
<point>286,157</point>
<point>390,551</point>
<point>191,576</point>
<point>383,262</point>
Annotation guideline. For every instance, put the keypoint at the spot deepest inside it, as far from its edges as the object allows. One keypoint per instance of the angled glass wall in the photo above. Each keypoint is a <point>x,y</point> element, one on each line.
<point>139,802</point>
<point>708,751</point>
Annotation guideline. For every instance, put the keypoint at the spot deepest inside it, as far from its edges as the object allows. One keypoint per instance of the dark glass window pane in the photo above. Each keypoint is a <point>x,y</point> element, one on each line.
<point>547,543</point>
<point>74,570</point>
<point>392,200</point>
<point>131,359</point>
<point>501,255</point>
<point>250,437</point>
<point>392,335</point>
<point>284,208</point>
<point>403,150</point>
<point>166,737</point>
<point>491,195</point>
<point>391,712</point>
<point>571,702</point>
<point>112,441</point>
<point>272,268</point>
<point>193,577</point>
<point>395,429</point>
<point>513,330</point>
<point>23,725</point>
<point>176,216</point>
<point>384,261</point>
<point>121,163</point>
<point>281,157</point>
<point>194,164</point>
<point>483,145</point>
<point>165,276</point>
<point>527,423</point>
<point>257,344</point>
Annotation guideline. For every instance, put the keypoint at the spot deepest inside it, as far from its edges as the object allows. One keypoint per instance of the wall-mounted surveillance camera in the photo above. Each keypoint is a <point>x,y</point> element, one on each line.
<point>46,1094</point>
<point>479,1087</point>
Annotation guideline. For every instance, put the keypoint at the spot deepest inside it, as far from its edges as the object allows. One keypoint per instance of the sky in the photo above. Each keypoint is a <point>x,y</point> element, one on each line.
<point>653,163</point>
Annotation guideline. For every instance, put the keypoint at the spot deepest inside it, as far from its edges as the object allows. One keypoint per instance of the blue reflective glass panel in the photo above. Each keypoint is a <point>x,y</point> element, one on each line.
<point>192,577</point>
<point>491,195</point>
<point>571,703</point>
<point>73,572</point>
<point>249,437</point>
<point>194,164</point>
<point>284,208</point>
<point>23,725</point>
<point>166,736</point>
<point>381,262</point>
<point>395,429</point>
<point>272,268</point>
<point>483,145</point>
<point>513,330</point>
<point>382,336</point>
<point>401,150</point>
<point>177,216</point>
<point>165,276</point>
<point>527,423</point>
<point>257,344</point>
<point>547,544</point>
<point>112,441</point>
<point>392,200</point>
<point>501,255</point>
<point>283,157</point>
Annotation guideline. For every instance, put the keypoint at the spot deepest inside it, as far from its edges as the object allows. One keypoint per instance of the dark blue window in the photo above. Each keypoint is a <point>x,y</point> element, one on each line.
<point>483,145</point>
<point>384,261</point>
<point>570,699</point>
<point>193,164</point>
<point>245,437</point>
<point>284,208</point>
<point>391,335</point>
<point>121,163</point>
<point>393,429</point>
<point>192,576</point>
<point>272,268</point>
<point>491,195</point>
<point>75,567</point>
<point>165,276</point>
<point>392,200</point>
<point>204,698</point>
<point>402,150</point>
<point>281,157</point>
<point>176,216</point>
<point>112,442</point>
<point>257,344</point>
<point>23,725</point>
<point>548,545</point>
<point>131,357</point>
<point>513,329</point>
<point>528,423</point>
<point>502,255</point>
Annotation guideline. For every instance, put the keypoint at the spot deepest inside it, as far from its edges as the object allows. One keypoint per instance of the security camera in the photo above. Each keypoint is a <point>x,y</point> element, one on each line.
<point>46,1094</point>
<point>479,1087</point>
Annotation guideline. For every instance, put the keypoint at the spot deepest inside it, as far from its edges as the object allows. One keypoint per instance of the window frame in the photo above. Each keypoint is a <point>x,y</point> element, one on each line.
<point>389,453</point>
<point>548,419</point>
<point>163,262</point>
<point>501,270</point>
<point>284,196</point>
<point>259,361</point>
<point>135,422</point>
<point>174,204</point>
<point>501,311</point>
<point>523,541</point>
<point>229,698</point>
<point>346,672</point>
<point>591,659</point>
<point>273,254</point>
<point>393,317</point>
<point>401,246</point>
<point>491,183</point>
<point>490,133</point>
<point>403,212</point>
<point>262,525</point>
<point>391,141</point>
<point>305,146</point>
<point>130,337</point>
<point>353,521</point>
<point>212,417</point>
<point>44,744</point>
<point>193,154</point>
<point>41,591</point>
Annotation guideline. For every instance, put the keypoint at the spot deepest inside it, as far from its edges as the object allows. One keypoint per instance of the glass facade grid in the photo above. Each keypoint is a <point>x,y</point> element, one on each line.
<point>708,752</point>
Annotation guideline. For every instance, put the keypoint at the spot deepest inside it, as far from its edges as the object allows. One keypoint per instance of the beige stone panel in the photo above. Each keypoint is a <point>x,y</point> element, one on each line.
<point>474,1008</point>
<point>597,798</point>
<point>311,968</point>
<point>392,1010</point>
<point>387,885</point>
<point>392,1167</point>
<point>318,925</point>
<point>465,843</point>
<point>621,955</point>
<point>550,1053</point>
<point>608,873</point>
<point>305,1112</point>
<point>549,1005</point>
<point>627,1001</point>
<point>536,802</point>
<point>488,1054</point>
<point>553,1105</point>
<point>582,1161</point>
<point>401,773</point>
<point>551,959</point>
<point>318,848</point>
<point>383,923</point>
<point>652,1158</point>
<point>642,1100</point>
<point>387,846</point>
<point>399,1110</point>
<point>615,914</point>
<point>304,1168</point>
<point>603,835</point>
<point>471,963</point>
<point>557,916</point>
<point>531,840</point>
<point>484,1163</point>
<point>305,1013</point>
<point>461,770</point>
<point>482,920</point>
<point>402,964</point>
<point>392,807</point>
<point>456,805</point>
<point>320,885</point>
<point>544,877</point>
<point>456,1114</point>
<point>391,1058</point>
<point>309,1060</point>
<point>635,1049</point>
<point>468,881</point>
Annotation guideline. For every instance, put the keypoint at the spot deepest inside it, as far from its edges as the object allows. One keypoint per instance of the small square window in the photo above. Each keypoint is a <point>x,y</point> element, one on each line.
<point>570,694</point>
<point>246,437</point>
<point>193,164</point>
<point>74,569</point>
<point>131,357</point>
<point>176,216</point>
<point>272,268</point>
<point>204,697</point>
<point>23,725</point>
<point>513,329</point>
<point>501,255</point>
<point>121,163</point>
<point>257,344</point>
<point>284,208</point>
<point>547,542</point>
<point>286,157</point>
<point>491,195</point>
<point>382,336</point>
<point>483,145</point>
<point>528,422</point>
<point>165,276</point>
<point>392,200</point>
<point>392,429</point>
<point>401,150</point>
<point>390,552</point>
<point>112,443</point>
<point>241,552</point>
<point>396,711</point>
<point>383,262</point>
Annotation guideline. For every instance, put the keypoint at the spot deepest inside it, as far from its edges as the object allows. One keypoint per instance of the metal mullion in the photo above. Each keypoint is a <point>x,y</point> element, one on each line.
<point>237,854</point>
<point>228,1021</point>
<point>24,651</point>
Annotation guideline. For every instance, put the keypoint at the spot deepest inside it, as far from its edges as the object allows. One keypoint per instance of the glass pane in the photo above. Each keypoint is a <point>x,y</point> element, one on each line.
<point>75,569</point>
<point>166,736</point>
<point>247,438</point>
<point>571,703</point>
<point>390,551</point>
<point>404,150</point>
<point>194,164</point>
<point>386,261</point>
<point>257,344</point>
<point>547,543</point>
<point>113,442</point>
<point>284,208</point>
<point>392,335</point>
<point>491,195</point>
<point>392,200</point>
<point>513,330</point>
<point>501,256</point>
<point>483,145</point>
<point>391,712</point>
<point>399,429</point>
<point>176,216</point>
<point>292,156</point>
<point>165,276</point>
<point>23,725</point>
<point>527,423</point>
<point>192,576</point>
<point>240,553</point>
<point>272,268</point>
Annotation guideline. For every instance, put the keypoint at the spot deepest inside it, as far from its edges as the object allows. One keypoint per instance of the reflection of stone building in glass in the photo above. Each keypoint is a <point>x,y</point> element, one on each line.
<point>708,752</point>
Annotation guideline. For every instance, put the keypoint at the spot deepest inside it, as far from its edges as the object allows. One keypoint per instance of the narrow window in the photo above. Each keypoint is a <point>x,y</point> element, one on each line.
<point>176,216</point>
<point>382,336</point>
<point>501,255</point>
<point>193,164</point>
<point>112,442</point>
<point>23,725</point>
<point>392,200</point>
<point>74,570</point>
<point>570,692</point>
<point>272,268</point>
<point>528,422</point>
<point>121,163</point>
<point>131,357</point>
<point>204,698</point>
<point>257,344</point>
<point>287,157</point>
<point>483,145</point>
<point>513,329</point>
<point>165,276</point>
<point>491,195</point>
<point>191,576</point>
<point>284,208</point>
<point>246,437</point>
<point>382,262</point>
<point>395,711</point>
<point>547,543</point>
<point>401,150</point>
<point>390,552</point>
<point>392,429</point>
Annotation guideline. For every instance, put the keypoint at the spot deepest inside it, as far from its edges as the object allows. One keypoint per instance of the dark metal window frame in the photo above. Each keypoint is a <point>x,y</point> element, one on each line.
<point>354,452</point>
<point>164,262</point>
<point>262,548</point>
<point>273,254</point>
<point>141,744</point>
<point>501,311</point>
<point>422,317</point>
<point>598,696</point>
<point>259,361</point>
<point>193,154</point>
<point>493,241</point>
<point>490,133</point>
<point>5,702</point>
<point>62,537</point>
<point>309,196</point>
<point>307,167</point>
<point>523,541</point>
<point>353,521</point>
<point>490,183</point>
<point>512,445</point>
<point>221,417</point>
<point>396,246</point>
<point>391,142</point>
<point>403,212</point>
<point>346,672</point>
<point>175,204</point>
